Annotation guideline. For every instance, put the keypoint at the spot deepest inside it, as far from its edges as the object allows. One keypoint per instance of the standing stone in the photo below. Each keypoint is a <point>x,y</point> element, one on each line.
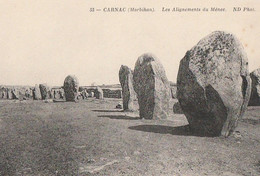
<point>1,93</point>
<point>92,94</point>
<point>5,93</point>
<point>15,94</point>
<point>213,84</point>
<point>173,87</point>
<point>53,93</point>
<point>56,94</point>
<point>255,92</point>
<point>85,94</point>
<point>61,93</point>
<point>71,86</point>
<point>152,88</point>
<point>44,91</point>
<point>31,92</point>
<point>21,96</point>
<point>37,93</point>
<point>27,93</point>
<point>9,94</point>
<point>99,93</point>
<point>49,95</point>
<point>128,93</point>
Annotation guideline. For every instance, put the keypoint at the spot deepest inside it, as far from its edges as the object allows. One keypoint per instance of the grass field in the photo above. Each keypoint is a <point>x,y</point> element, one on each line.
<point>94,138</point>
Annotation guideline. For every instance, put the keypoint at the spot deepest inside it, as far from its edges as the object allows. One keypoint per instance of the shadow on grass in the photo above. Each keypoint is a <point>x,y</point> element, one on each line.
<point>59,101</point>
<point>120,117</point>
<point>179,131</point>
<point>30,145</point>
<point>108,110</point>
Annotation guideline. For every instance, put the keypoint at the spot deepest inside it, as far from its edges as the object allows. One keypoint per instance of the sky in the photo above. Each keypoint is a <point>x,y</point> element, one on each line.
<point>43,41</point>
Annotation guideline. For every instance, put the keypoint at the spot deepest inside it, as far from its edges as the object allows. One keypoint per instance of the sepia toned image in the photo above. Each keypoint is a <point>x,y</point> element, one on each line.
<point>151,88</point>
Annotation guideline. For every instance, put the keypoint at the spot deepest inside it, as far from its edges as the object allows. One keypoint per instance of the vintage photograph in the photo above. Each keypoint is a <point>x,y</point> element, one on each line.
<point>133,88</point>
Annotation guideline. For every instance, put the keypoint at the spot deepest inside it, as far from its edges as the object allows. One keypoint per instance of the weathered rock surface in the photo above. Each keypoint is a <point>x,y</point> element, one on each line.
<point>177,108</point>
<point>255,91</point>
<point>213,84</point>
<point>128,93</point>
<point>37,93</point>
<point>152,88</point>
<point>99,93</point>
<point>44,91</point>
<point>71,86</point>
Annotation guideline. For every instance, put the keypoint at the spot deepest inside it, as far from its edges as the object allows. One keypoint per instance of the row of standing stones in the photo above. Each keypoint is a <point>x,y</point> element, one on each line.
<point>213,85</point>
<point>71,89</point>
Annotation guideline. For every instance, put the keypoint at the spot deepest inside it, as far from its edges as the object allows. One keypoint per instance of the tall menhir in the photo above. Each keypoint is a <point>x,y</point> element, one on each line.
<point>128,93</point>
<point>152,88</point>
<point>213,84</point>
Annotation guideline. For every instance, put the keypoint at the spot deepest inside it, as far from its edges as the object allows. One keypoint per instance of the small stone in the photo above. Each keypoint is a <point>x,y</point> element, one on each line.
<point>119,106</point>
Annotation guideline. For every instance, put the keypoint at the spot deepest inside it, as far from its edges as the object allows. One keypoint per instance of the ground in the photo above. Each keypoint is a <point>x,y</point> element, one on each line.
<point>93,138</point>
